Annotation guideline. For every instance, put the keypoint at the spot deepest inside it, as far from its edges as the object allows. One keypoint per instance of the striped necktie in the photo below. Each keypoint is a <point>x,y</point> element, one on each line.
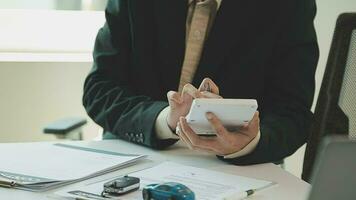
<point>199,21</point>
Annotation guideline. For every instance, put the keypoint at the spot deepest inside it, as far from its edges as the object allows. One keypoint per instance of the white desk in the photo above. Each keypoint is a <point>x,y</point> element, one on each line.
<point>289,187</point>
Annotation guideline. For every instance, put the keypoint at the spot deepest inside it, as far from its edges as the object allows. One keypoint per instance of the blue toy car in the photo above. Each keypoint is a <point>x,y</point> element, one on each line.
<point>167,191</point>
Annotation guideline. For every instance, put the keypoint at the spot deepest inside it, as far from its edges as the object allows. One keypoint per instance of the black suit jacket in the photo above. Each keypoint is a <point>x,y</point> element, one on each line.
<point>265,50</point>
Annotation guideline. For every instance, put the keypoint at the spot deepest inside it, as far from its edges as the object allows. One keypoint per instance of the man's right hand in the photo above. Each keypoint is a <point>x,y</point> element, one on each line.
<point>179,104</point>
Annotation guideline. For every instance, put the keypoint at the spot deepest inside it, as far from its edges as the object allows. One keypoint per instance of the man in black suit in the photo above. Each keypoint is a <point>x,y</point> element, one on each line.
<point>265,50</point>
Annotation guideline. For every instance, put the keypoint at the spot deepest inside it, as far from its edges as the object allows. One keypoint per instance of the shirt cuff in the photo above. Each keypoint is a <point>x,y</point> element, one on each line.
<point>247,149</point>
<point>161,126</point>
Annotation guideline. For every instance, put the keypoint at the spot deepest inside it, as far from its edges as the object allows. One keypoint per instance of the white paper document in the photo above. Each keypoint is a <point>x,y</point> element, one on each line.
<point>206,184</point>
<point>39,166</point>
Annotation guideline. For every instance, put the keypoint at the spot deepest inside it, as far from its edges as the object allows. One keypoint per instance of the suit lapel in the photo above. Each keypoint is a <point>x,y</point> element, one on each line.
<point>225,34</point>
<point>170,25</point>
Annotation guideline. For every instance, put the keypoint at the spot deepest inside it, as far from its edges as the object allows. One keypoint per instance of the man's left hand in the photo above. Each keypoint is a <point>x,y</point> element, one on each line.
<point>225,142</point>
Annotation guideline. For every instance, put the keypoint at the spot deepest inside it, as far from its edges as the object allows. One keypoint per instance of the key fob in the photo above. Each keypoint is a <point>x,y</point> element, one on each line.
<point>121,186</point>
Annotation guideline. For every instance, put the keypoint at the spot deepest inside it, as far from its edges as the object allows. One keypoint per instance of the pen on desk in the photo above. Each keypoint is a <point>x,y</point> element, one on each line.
<point>7,184</point>
<point>240,195</point>
<point>246,193</point>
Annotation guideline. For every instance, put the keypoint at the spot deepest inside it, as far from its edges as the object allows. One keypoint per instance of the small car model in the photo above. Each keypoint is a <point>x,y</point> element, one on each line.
<point>167,191</point>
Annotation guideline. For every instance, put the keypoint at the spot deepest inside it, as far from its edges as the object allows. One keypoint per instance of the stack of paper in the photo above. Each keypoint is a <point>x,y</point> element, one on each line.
<point>43,166</point>
<point>206,184</point>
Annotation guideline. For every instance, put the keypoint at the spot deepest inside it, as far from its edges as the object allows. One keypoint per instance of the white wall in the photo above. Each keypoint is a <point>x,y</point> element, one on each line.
<point>44,58</point>
<point>49,31</point>
<point>328,11</point>
<point>34,94</point>
<point>20,4</point>
<point>54,4</point>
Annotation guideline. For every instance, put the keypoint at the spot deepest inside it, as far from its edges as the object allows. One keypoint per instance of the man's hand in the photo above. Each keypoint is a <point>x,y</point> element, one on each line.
<point>225,142</point>
<point>179,104</point>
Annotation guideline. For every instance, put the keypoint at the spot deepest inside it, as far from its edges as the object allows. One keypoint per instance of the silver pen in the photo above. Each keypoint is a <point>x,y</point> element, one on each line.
<point>7,184</point>
<point>246,193</point>
<point>240,195</point>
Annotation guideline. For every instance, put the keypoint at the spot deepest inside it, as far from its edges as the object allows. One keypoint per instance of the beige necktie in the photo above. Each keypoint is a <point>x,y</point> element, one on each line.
<point>200,18</point>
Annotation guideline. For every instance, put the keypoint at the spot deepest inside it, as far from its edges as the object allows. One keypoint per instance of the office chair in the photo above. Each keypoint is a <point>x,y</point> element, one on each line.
<point>335,111</point>
<point>68,128</point>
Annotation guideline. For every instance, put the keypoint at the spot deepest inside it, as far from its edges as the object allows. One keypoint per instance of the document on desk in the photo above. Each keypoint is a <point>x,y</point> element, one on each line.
<point>206,184</point>
<point>43,166</point>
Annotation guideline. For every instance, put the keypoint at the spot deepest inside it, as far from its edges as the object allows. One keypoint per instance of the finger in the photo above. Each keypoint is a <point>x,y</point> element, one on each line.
<point>256,118</point>
<point>173,96</point>
<point>195,140</point>
<point>208,85</point>
<point>177,130</point>
<point>255,122</point>
<point>190,90</point>
<point>253,127</point>
<point>187,98</point>
<point>210,95</point>
<point>190,134</point>
<point>182,136</point>
<point>217,125</point>
<point>185,139</point>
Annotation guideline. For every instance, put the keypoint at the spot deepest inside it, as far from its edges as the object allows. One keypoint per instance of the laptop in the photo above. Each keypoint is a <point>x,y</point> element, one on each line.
<point>334,176</point>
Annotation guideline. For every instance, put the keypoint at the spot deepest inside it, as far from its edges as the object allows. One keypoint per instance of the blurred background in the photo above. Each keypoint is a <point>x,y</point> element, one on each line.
<point>54,4</point>
<point>45,55</point>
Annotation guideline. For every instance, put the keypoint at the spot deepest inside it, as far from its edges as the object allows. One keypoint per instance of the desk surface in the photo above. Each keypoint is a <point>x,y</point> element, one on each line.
<point>289,186</point>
